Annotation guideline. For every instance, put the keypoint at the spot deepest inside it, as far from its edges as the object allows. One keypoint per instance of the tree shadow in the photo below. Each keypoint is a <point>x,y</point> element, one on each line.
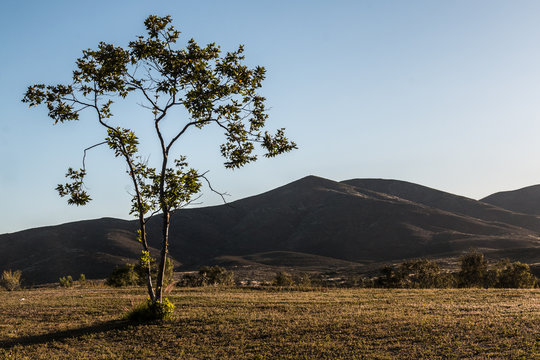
<point>65,334</point>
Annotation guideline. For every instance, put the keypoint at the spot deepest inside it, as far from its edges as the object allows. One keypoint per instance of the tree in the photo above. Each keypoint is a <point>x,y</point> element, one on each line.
<point>211,88</point>
<point>420,273</point>
<point>515,275</point>
<point>216,275</point>
<point>473,270</point>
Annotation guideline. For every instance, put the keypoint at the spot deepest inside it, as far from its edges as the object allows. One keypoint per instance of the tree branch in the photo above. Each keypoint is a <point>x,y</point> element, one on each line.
<point>88,148</point>
<point>203,175</point>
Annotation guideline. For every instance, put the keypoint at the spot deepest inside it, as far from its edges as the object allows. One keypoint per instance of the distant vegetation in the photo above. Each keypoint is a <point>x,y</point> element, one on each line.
<point>208,276</point>
<point>67,281</point>
<point>133,275</point>
<point>474,272</point>
<point>10,280</point>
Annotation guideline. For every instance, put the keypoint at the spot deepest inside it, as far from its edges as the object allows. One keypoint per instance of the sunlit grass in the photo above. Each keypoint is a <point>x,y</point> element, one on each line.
<point>258,324</point>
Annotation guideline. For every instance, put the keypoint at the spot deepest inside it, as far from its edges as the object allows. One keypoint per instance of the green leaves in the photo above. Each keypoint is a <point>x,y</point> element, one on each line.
<point>59,101</point>
<point>77,196</point>
<point>277,144</point>
<point>103,70</point>
<point>123,141</point>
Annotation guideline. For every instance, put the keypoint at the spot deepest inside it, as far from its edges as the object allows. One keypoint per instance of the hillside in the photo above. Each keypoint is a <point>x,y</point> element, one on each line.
<point>441,200</point>
<point>312,221</point>
<point>92,247</point>
<point>525,200</point>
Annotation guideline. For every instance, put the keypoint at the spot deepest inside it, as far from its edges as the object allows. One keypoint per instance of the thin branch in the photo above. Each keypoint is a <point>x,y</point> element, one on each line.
<point>203,175</point>
<point>143,90</point>
<point>88,148</point>
<point>191,202</point>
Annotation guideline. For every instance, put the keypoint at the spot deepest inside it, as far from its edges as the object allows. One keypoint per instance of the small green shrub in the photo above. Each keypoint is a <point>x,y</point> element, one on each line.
<point>11,280</point>
<point>283,279</point>
<point>82,279</point>
<point>66,281</point>
<point>216,275</point>
<point>152,311</point>
<point>124,275</point>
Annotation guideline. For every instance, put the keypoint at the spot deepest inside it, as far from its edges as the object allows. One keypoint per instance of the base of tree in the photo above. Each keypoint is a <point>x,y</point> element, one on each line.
<point>151,311</point>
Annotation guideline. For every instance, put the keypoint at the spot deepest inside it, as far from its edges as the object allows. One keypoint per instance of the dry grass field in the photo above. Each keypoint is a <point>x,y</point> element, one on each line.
<point>213,323</point>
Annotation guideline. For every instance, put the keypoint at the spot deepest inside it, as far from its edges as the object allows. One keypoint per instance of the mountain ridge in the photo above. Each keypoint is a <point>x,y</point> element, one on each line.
<point>356,221</point>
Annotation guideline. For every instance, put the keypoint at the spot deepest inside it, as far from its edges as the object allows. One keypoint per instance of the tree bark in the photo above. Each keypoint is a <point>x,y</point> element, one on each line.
<point>163,259</point>
<point>149,286</point>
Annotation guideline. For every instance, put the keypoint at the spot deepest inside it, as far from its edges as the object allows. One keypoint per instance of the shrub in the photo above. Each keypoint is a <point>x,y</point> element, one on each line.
<point>152,311</point>
<point>417,274</point>
<point>389,278</point>
<point>66,281</point>
<point>216,275</point>
<point>473,270</point>
<point>283,279</point>
<point>82,279</point>
<point>303,280</point>
<point>515,275</point>
<point>11,280</point>
<point>190,280</point>
<point>124,275</point>
<point>133,275</point>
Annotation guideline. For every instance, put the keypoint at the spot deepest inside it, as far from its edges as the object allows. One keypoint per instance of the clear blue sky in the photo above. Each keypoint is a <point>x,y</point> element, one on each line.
<point>441,93</point>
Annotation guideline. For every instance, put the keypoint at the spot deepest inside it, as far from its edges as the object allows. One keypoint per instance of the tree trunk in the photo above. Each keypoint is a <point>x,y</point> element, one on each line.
<point>163,259</point>
<point>144,242</point>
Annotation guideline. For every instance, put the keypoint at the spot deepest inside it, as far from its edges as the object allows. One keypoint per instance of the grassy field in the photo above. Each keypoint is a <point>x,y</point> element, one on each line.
<point>266,324</point>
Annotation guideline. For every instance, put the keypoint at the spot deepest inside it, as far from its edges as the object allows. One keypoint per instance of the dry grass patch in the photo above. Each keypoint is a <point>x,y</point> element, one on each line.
<point>259,324</point>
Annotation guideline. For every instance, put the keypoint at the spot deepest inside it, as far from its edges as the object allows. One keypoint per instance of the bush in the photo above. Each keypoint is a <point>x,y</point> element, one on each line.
<point>515,275</point>
<point>303,280</point>
<point>190,280</point>
<point>283,279</point>
<point>473,270</point>
<point>124,275</point>
<point>417,274</point>
<point>82,279</point>
<point>152,311</point>
<point>134,275</point>
<point>420,274</point>
<point>66,281</point>
<point>11,280</point>
<point>216,275</point>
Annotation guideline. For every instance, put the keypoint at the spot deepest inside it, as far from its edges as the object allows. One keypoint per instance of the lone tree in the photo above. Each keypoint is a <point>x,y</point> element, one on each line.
<point>212,88</point>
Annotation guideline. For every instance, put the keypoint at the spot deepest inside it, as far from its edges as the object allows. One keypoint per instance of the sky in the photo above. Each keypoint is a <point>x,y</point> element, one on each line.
<point>445,94</point>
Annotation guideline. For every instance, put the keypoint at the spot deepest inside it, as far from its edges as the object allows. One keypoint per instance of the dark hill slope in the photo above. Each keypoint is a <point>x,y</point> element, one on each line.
<point>92,247</point>
<point>327,218</point>
<point>525,200</point>
<point>484,210</point>
<point>310,220</point>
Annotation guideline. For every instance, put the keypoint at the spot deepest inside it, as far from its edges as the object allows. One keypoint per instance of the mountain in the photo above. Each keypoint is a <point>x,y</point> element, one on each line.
<point>525,200</point>
<point>484,210</point>
<point>92,247</point>
<point>312,223</point>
